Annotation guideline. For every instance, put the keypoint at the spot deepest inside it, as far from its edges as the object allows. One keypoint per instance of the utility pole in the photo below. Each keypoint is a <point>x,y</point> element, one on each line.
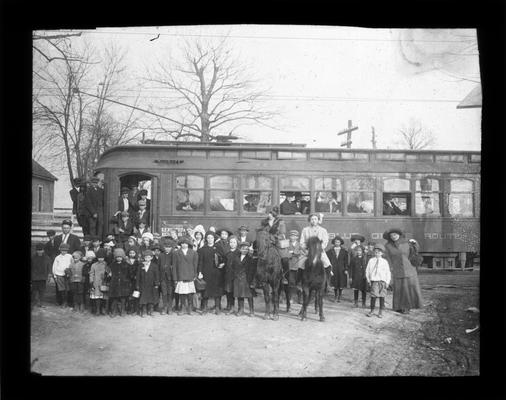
<point>348,131</point>
<point>373,140</point>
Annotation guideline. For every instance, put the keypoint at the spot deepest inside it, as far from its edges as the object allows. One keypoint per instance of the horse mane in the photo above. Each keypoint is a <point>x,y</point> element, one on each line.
<point>315,250</point>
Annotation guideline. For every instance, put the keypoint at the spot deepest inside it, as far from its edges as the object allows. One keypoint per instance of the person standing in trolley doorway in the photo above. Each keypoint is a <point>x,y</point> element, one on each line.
<point>94,201</point>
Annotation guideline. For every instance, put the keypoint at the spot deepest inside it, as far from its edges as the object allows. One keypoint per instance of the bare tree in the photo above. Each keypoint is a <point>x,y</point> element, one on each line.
<point>415,136</point>
<point>213,93</point>
<point>67,123</point>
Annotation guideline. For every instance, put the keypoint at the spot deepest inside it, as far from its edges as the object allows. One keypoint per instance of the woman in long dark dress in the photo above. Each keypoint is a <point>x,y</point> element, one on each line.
<point>338,257</point>
<point>406,289</point>
<point>212,272</point>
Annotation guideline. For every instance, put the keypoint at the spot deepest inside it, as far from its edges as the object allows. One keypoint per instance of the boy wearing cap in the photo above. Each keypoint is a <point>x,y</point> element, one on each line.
<point>75,273</point>
<point>119,278</point>
<point>148,281</point>
<point>60,264</point>
<point>41,270</point>
<point>166,278</point>
<point>378,276</point>
<point>243,274</point>
<point>89,259</point>
<point>294,266</point>
<point>125,227</point>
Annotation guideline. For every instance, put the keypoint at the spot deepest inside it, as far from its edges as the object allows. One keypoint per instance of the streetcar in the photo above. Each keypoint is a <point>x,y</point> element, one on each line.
<point>433,196</point>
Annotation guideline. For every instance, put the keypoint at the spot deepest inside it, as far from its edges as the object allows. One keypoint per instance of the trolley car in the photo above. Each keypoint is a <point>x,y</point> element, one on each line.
<point>434,196</point>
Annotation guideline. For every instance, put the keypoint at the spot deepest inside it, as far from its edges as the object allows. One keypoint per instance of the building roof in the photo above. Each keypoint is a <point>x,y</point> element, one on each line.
<point>472,100</point>
<point>40,172</point>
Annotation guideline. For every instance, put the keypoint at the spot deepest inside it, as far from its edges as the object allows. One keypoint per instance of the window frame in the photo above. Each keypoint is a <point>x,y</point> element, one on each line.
<point>373,191</point>
<point>315,191</point>
<point>174,199</point>
<point>449,192</point>
<point>235,189</point>
<point>439,194</point>
<point>40,191</point>
<point>244,190</point>
<point>308,190</point>
<point>407,192</point>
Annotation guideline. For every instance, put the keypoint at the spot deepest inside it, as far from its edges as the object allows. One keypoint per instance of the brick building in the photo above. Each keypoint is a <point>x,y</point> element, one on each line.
<point>42,189</point>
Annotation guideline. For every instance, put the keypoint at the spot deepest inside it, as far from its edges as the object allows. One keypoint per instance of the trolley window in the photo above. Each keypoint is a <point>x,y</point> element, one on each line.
<point>328,195</point>
<point>460,198</point>
<point>396,197</point>
<point>257,193</point>
<point>294,195</point>
<point>427,197</point>
<point>222,194</point>
<point>189,193</point>
<point>360,196</point>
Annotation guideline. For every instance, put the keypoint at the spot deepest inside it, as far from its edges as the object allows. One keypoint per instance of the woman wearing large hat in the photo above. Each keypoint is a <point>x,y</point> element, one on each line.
<point>406,289</point>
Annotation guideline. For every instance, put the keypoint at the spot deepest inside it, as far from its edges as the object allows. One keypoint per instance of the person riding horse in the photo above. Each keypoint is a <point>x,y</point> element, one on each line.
<point>271,251</point>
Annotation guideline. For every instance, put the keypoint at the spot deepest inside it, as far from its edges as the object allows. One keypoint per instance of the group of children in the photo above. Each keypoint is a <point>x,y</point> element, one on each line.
<point>142,273</point>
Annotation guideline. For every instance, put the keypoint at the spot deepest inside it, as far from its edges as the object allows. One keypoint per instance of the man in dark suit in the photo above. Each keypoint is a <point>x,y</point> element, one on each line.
<point>95,205</point>
<point>74,245</point>
<point>143,195</point>
<point>67,237</point>
<point>288,206</point>
<point>142,214</point>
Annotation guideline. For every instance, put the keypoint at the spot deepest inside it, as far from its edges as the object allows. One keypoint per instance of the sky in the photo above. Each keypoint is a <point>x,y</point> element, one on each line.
<point>320,77</point>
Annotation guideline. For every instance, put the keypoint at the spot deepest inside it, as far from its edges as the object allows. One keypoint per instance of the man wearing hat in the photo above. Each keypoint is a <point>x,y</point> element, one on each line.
<point>50,248</point>
<point>124,203</point>
<point>288,206</point>
<point>82,213</point>
<point>67,237</point>
<point>143,195</point>
<point>142,214</point>
<point>41,272</point>
<point>94,203</point>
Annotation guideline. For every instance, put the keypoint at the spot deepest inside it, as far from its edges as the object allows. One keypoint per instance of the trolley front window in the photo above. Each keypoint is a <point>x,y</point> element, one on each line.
<point>257,193</point>
<point>189,193</point>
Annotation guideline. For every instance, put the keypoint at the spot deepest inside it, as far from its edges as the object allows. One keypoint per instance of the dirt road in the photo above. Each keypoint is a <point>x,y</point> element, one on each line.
<point>347,344</point>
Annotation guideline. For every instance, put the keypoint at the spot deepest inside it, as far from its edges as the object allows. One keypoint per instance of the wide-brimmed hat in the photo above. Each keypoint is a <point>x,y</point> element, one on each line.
<point>337,237</point>
<point>243,228</point>
<point>185,239</point>
<point>214,234</point>
<point>357,237</point>
<point>386,234</point>
<point>125,190</point>
<point>248,244</point>
<point>379,246</point>
<point>118,252</point>
<point>156,235</point>
<point>218,232</point>
<point>293,233</point>
<point>155,247</point>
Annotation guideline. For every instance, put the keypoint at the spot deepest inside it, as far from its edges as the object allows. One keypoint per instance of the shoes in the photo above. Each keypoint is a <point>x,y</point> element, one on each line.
<point>380,315</point>
<point>369,314</point>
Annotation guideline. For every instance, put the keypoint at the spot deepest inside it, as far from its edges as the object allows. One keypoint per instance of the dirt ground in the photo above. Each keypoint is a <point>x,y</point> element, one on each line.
<point>428,342</point>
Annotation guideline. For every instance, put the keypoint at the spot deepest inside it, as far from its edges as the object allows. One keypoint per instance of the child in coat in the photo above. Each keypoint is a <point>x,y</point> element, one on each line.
<point>88,259</point>
<point>148,281</point>
<point>119,288</point>
<point>229,273</point>
<point>358,265</point>
<point>125,228</point>
<point>75,272</point>
<point>185,271</point>
<point>133,268</point>
<point>97,279</point>
<point>166,278</point>
<point>378,276</point>
<point>41,269</point>
<point>60,264</point>
<point>244,271</point>
<point>294,261</point>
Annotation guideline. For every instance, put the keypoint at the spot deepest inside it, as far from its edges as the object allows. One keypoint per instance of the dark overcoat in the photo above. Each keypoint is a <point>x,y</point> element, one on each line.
<point>229,270</point>
<point>214,276</point>
<point>358,266</point>
<point>94,201</point>
<point>185,266</point>
<point>120,284</point>
<point>128,230</point>
<point>147,283</point>
<point>243,275</point>
<point>339,266</point>
<point>73,241</point>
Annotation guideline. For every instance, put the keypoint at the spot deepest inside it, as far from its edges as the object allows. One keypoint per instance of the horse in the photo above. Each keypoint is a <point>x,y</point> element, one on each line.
<point>269,273</point>
<point>314,278</point>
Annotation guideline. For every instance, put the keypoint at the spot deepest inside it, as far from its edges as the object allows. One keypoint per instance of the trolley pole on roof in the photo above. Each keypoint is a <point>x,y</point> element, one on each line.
<point>348,132</point>
<point>373,139</point>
